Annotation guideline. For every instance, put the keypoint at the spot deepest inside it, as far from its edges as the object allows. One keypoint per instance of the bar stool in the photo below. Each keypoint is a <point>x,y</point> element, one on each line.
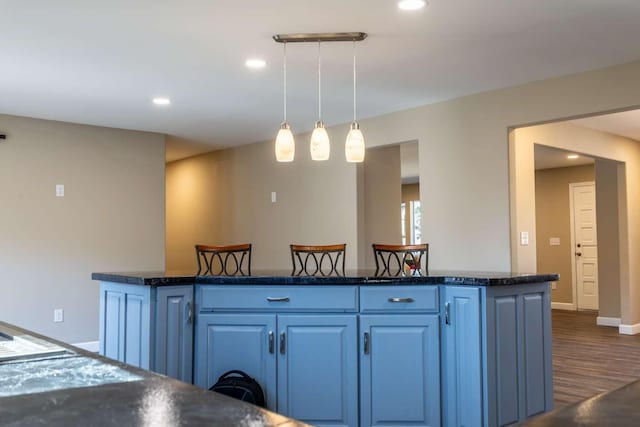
<point>224,260</point>
<point>392,259</point>
<point>312,259</point>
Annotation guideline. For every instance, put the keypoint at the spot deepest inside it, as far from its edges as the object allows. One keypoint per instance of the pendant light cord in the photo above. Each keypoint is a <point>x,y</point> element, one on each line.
<point>354,80</point>
<point>319,85</point>
<point>284,69</point>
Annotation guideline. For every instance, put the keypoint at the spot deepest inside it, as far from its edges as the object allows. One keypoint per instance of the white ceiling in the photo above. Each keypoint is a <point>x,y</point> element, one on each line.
<point>100,62</point>
<point>549,157</point>
<point>625,124</point>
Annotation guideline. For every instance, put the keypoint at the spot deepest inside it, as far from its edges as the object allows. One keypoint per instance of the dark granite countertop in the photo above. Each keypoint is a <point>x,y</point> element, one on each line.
<point>351,277</point>
<point>617,408</point>
<point>145,399</point>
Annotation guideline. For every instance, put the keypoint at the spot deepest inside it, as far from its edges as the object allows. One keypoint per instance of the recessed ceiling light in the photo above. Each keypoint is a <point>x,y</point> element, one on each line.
<point>411,4</point>
<point>572,156</point>
<point>161,101</point>
<point>255,63</point>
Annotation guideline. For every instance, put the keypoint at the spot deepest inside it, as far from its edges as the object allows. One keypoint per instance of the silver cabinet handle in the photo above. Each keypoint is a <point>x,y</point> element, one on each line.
<point>271,340</point>
<point>366,343</point>
<point>447,313</point>
<point>282,343</point>
<point>400,299</point>
<point>278,299</point>
<point>189,313</point>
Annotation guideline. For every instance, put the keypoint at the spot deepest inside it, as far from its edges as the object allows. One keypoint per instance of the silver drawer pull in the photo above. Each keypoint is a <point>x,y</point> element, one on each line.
<point>278,299</point>
<point>189,313</point>
<point>366,343</point>
<point>283,344</point>
<point>400,299</point>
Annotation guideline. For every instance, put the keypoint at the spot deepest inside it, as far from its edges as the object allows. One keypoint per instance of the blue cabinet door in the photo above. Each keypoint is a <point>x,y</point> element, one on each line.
<point>173,350</point>
<point>462,357</point>
<point>237,341</point>
<point>399,370</point>
<point>125,323</point>
<point>317,369</point>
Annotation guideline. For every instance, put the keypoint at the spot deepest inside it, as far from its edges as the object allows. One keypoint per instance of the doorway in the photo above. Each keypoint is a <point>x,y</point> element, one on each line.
<point>601,272</point>
<point>565,199</point>
<point>410,207</point>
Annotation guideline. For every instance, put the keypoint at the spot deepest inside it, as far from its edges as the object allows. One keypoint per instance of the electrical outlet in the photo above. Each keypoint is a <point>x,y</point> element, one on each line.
<point>58,315</point>
<point>524,238</point>
<point>59,190</point>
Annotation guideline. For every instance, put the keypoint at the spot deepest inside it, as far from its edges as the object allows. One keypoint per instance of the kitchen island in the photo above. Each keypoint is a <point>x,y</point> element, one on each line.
<point>450,348</point>
<point>66,386</point>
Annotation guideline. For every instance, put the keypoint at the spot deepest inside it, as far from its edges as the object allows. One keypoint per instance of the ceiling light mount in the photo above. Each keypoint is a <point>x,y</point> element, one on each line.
<point>320,37</point>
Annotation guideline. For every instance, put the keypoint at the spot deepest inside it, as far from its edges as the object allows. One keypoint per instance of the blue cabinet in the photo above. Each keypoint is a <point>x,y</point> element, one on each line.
<point>519,380</point>
<point>318,369</point>
<point>400,370</point>
<point>299,343</point>
<point>365,355</point>
<point>237,341</point>
<point>462,386</point>
<point>125,323</point>
<point>148,327</point>
<point>496,354</point>
<point>173,349</point>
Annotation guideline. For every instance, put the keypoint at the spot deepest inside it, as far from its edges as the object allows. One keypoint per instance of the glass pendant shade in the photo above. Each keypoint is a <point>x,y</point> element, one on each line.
<point>354,146</point>
<point>320,146</point>
<point>285,144</point>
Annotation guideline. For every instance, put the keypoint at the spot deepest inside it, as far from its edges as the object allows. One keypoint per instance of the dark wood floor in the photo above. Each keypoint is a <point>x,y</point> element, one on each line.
<point>590,359</point>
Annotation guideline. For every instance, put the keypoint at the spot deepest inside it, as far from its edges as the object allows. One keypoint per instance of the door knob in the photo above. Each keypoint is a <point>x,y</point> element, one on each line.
<point>579,245</point>
<point>578,253</point>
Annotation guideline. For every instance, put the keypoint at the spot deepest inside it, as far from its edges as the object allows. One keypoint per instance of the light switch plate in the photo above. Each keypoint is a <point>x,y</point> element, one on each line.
<point>59,190</point>
<point>554,241</point>
<point>58,315</point>
<point>273,197</point>
<point>524,238</point>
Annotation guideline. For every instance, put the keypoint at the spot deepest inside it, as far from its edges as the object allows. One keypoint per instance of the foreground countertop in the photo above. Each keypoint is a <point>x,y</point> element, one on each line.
<point>148,400</point>
<point>351,277</point>
<point>617,408</point>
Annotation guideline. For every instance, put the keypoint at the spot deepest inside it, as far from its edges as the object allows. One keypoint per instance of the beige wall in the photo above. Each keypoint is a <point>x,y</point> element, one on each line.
<point>111,218</point>
<point>224,197</point>
<point>608,240</point>
<point>553,218</point>
<point>464,152</point>
<point>598,144</point>
<point>382,195</point>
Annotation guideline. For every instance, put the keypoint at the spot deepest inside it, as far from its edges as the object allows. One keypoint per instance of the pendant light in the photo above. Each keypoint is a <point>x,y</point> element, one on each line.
<point>320,147</point>
<point>354,145</point>
<point>285,144</point>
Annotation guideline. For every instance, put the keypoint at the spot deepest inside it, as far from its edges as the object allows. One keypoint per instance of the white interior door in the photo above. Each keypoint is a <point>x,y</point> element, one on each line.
<point>585,245</point>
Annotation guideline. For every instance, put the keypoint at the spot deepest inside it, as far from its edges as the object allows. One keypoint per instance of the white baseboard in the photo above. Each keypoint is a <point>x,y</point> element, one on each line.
<point>629,329</point>
<point>608,321</point>
<point>93,346</point>
<point>563,306</point>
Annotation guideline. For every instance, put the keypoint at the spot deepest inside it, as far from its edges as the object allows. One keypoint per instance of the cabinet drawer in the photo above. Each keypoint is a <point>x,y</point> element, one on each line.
<point>278,298</point>
<point>403,299</point>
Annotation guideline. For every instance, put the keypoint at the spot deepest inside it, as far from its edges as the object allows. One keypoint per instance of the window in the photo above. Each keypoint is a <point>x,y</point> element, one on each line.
<point>403,223</point>
<point>416,222</point>
<point>414,226</point>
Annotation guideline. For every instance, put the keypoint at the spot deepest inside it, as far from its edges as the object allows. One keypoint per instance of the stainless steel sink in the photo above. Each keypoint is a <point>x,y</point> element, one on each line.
<point>15,347</point>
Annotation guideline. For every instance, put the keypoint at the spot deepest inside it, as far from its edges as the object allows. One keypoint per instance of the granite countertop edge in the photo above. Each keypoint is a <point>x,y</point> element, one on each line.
<point>281,278</point>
